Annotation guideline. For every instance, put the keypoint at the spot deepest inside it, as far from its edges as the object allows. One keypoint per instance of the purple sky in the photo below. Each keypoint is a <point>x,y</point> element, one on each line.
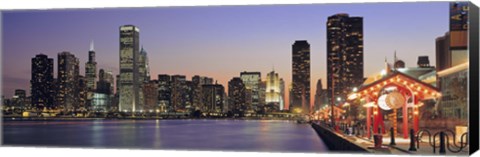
<point>218,41</point>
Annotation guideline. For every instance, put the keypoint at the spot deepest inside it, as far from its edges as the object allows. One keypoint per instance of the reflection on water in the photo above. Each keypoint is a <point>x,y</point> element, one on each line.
<point>230,135</point>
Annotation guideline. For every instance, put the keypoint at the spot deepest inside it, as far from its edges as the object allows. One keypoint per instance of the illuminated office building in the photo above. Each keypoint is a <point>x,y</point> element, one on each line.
<point>237,95</point>
<point>252,81</point>
<point>344,54</point>
<point>91,69</point>
<point>300,100</point>
<point>213,96</point>
<point>67,85</point>
<point>130,94</point>
<point>41,83</point>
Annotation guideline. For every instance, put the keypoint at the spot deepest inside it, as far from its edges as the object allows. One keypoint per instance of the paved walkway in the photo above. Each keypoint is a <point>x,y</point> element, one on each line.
<point>402,146</point>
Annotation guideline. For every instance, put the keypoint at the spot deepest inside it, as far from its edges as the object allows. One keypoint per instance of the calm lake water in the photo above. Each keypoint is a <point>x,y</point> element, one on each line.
<point>227,135</point>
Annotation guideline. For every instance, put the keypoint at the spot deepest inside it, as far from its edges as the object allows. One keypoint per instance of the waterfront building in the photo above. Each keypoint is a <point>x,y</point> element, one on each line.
<point>197,95</point>
<point>213,98</point>
<point>42,83</point>
<point>179,92</point>
<point>274,96</point>
<point>106,76</point>
<point>262,97</point>
<point>130,81</point>
<point>103,95</point>
<point>165,92</point>
<point>282,95</point>
<point>82,93</point>
<point>67,81</point>
<point>300,97</point>
<point>151,95</point>
<point>19,98</point>
<point>344,54</point>
<point>237,96</point>
<point>252,81</point>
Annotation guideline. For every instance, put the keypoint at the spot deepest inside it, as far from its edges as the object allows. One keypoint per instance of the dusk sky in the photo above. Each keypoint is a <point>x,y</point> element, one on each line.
<point>217,41</point>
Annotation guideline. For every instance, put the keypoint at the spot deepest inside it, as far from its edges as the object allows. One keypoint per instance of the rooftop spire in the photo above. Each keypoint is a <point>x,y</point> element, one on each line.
<point>142,50</point>
<point>91,46</point>
<point>394,60</point>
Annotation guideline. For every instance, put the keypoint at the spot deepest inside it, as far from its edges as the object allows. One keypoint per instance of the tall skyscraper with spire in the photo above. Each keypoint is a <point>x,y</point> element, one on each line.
<point>300,96</point>
<point>344,54</point>
<point>91,73</point>
<point>130,80</point>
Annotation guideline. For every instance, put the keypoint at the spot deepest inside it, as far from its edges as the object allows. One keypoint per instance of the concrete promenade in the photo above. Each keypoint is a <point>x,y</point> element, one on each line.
<point>401,146</point>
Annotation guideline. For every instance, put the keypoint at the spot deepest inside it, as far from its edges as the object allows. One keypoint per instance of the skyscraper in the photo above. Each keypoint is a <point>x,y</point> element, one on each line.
<point>91,69</point>
<point>237,96</point>
<point>273,90</point>
<point>165,92</point>
<point>130,94</point>
<point>344,54</point>
<point>19,98</point>
<point>282,95</point>
<point>300,100</point>
<point>67,81</point>
<point>42,87</point>
<point>106,76</point>
<point>178,92</point>
<point>198,82</point>
<point>252,81</point>
<point>143,66</point>
<point>103,96</point>
<point>320,96</point>
<point>82,93</point>
<point>213,97</point>
<point>150,89</point>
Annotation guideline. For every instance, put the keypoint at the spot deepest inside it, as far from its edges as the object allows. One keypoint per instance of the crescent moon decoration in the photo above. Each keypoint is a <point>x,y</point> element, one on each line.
<point>382,103</point>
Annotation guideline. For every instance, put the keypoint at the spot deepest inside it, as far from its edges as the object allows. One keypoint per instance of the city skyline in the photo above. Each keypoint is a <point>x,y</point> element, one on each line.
<point>161,56</point>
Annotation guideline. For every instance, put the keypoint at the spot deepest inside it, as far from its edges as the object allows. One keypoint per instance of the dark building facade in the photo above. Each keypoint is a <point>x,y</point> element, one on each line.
<point>213,97</point>
<point>67,81</point>
<point>42,82</point>
<point>300,99</point>
<point>320,96</point>
<point>82,93</point>
<point>237,96</point>
<point>165,92</point>
<point>442,52</point>
<point>179,93</point>
<point>197,83</point>
<point>19,98</point>
<point>344,54</point>
<point>150,89</point>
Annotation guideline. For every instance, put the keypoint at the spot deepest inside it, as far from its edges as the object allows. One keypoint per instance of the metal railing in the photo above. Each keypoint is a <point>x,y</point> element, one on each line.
<point>443,142</point>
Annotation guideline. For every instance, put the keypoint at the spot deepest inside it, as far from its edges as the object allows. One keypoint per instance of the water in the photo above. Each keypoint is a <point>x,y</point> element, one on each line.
<point>226,135</point>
